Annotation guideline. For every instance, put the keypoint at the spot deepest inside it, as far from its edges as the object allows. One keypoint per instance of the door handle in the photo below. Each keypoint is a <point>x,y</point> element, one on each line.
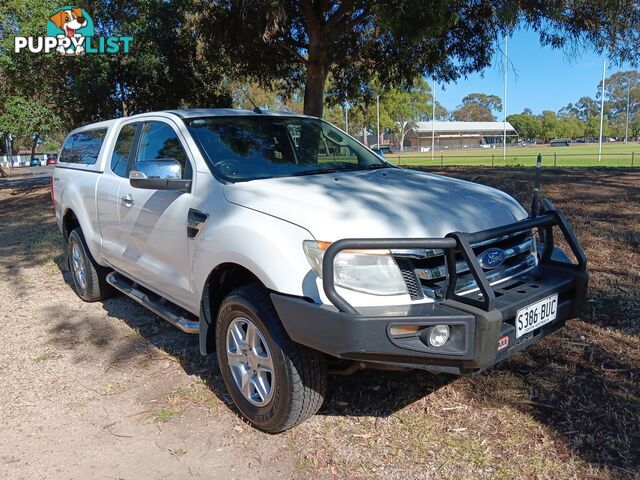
<point>128,200</point>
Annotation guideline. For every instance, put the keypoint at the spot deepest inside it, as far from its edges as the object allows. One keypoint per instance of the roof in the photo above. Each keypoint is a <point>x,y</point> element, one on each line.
<point>463,127</point>
<point>190,113</point>
<point>228,112</point>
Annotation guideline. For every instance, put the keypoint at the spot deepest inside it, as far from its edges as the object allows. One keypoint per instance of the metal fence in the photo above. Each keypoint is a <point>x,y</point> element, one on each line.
<point>555,159</point>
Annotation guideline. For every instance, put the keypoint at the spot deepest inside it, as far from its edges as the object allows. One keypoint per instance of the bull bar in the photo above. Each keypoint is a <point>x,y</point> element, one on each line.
<point>457,242</point>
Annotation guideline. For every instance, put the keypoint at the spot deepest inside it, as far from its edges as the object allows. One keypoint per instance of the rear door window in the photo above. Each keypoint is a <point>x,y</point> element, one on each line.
<point>83,147</point>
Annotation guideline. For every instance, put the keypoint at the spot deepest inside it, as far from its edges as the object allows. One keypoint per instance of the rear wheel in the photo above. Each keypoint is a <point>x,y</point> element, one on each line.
<point>89,278</point>
<point>275,382</point>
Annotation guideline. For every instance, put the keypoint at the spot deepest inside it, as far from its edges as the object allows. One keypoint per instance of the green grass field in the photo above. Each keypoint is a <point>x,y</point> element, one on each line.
<point>578,155</point>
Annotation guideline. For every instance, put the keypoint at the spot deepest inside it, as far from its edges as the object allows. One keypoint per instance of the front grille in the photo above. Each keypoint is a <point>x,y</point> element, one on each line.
<point>431,270</point>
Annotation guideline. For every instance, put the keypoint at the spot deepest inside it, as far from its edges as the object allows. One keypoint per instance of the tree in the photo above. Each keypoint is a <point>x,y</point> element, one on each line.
<point>570,127</point>
<point>405,107</point>
<point>335,114</point>
<point>248,95</point>
<point>592,129</point>
<point>618,88</point>
<point>568,124</point>
<point>568,111</point>
<point>585,108</point>
<point>25,117</point>
<point>163,69</point>
<point>478,107</point>
<point>549,124</point>
<point>303,41</point>
<point>527,126</point>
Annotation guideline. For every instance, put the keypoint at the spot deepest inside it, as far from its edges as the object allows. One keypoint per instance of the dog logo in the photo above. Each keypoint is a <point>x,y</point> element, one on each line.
<point>70,31</point>
<point>73,23</point>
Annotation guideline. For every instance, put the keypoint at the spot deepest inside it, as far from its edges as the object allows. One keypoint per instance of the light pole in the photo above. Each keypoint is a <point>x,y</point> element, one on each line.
<point>604,72</point>
<point>346,117</point>
<point>626,121</point>
<point>504,100</point>
<point>9,143</point>
<point>433,124</point>
<point>378,119</point>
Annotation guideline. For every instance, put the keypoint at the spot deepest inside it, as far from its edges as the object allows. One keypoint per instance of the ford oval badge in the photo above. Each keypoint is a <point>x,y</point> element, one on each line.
<point>492,258</point>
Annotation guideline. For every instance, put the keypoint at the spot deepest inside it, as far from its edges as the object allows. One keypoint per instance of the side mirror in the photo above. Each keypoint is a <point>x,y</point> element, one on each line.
<point>159,175</point>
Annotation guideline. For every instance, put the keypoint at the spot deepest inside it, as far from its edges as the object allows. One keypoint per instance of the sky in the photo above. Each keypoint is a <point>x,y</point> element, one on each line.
<point>539,77</point>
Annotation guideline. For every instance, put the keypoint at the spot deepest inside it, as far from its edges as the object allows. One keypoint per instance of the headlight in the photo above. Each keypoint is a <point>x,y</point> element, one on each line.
<point>367,271</point>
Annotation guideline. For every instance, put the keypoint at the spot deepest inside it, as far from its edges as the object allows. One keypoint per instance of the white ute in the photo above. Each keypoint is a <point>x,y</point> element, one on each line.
<point>288,246</point>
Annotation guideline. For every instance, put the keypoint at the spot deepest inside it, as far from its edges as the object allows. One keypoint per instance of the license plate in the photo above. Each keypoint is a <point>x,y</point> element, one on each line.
<point>535,315</point>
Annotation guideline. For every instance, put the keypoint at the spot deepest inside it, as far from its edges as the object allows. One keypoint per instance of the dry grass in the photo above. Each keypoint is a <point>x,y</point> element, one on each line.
<point>567,408</point>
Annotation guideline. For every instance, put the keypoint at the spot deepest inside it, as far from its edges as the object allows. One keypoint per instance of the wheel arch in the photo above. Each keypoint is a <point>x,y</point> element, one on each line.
<point>69,222</point>
<point>221,280</point>
<point>76,215</point>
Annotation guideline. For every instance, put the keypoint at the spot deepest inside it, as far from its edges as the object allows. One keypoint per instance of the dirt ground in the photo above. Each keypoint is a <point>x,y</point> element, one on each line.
<point>107,390</point>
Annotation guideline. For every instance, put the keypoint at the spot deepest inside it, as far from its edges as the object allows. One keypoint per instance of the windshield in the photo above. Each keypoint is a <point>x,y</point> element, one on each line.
<point>250,148</point>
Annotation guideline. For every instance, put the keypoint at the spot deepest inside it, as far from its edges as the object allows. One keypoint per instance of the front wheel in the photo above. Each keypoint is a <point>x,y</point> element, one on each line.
<point>275,382</point>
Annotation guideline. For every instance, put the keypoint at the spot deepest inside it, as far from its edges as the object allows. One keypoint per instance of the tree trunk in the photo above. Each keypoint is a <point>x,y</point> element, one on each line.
<point>314,87</point>
<point>316,74</point>
<point>403,133</point>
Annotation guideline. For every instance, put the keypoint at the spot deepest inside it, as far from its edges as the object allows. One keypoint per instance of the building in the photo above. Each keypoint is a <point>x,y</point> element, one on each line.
<point>456,135</point>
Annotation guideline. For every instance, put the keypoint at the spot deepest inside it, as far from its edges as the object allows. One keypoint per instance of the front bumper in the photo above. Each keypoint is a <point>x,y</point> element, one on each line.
<point>481,323</point>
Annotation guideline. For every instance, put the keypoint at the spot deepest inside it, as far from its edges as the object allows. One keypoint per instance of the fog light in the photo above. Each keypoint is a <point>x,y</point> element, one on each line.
<point>439,335</point>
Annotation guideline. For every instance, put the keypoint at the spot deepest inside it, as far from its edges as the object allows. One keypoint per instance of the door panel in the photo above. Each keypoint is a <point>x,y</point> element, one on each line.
<point>153,223</point>
<point>108,195</point>
<point>154,234</point>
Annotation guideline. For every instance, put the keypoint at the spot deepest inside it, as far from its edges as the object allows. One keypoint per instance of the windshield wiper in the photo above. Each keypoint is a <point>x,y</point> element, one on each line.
<point>315,171</point>
<point>375,166</point>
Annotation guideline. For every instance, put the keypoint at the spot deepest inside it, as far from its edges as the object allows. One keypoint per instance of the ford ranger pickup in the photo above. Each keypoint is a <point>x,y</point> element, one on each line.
<point>292,250</point>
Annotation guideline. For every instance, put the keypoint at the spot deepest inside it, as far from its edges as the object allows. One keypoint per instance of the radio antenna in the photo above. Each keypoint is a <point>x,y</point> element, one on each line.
<point>256,109</point>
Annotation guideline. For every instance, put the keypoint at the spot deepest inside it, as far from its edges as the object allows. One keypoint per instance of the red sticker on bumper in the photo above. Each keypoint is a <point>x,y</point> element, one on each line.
<point>503,343</point>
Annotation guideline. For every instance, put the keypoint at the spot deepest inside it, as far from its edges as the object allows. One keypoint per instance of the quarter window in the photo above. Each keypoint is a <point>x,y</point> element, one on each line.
<point>83,147</point>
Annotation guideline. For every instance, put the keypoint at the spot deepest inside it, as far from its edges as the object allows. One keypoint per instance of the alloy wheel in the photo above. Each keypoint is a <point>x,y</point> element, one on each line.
<point>250,361</point>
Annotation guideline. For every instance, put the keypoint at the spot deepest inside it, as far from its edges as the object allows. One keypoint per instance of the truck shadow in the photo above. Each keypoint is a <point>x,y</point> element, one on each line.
<point>370,393</point>
<point>584,395</point>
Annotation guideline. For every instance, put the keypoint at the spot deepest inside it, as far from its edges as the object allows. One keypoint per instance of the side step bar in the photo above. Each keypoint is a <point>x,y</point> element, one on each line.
<point>158,305</point>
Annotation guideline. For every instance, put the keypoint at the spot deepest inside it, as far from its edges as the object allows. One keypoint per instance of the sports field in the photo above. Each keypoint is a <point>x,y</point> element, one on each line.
<point>577,155</point>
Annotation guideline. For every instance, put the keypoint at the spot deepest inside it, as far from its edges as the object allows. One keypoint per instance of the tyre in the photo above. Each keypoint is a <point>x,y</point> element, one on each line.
<point>275,382</point>
<point>89,278</point>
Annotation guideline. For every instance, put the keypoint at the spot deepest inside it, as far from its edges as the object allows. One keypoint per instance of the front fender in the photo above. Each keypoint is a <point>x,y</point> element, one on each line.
<point>270,248</point>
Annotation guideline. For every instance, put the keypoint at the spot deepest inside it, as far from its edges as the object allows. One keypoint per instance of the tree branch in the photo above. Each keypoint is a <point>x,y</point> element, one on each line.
<point>345,27</point>
<point>339,14</point>
<point>290,49</point>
